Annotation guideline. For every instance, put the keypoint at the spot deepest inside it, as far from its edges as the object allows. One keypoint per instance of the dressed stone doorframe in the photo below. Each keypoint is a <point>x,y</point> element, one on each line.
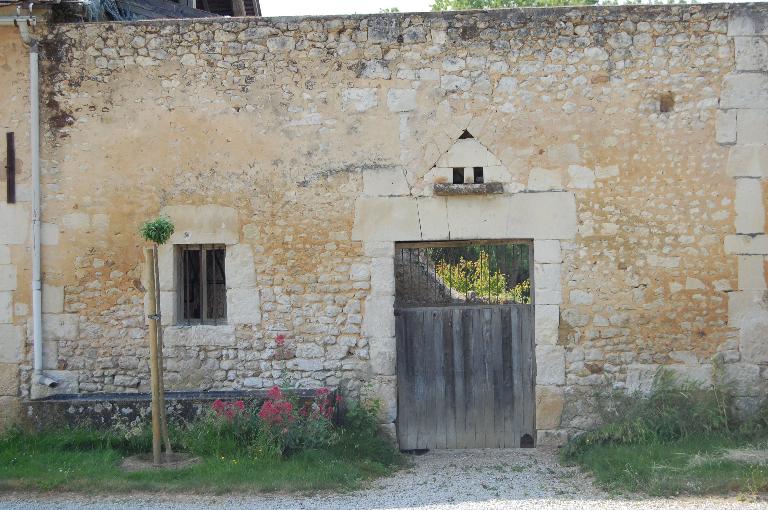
<point>547,218</point>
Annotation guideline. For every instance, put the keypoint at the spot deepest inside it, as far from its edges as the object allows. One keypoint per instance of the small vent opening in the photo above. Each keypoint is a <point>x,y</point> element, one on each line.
<point>458,176</point>
<point>666,102</point>
<point>466,134</point>
<point>478,174</point>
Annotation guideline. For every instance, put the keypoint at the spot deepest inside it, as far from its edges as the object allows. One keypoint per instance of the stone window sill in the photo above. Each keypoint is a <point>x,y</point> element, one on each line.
<point>488,188</point>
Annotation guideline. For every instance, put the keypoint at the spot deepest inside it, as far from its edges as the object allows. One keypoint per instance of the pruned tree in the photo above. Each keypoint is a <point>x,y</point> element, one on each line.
<point>157,231</point>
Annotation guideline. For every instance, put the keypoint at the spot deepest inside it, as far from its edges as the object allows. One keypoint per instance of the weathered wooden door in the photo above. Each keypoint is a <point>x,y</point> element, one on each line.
<point>465,373</point>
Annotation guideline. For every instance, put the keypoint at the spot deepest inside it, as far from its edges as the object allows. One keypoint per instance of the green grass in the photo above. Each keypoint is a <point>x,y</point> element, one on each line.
<point>87,461</point>
<point>691,466</point>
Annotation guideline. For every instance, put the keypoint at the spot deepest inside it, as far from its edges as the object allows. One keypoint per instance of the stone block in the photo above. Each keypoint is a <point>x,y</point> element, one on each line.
<point>747,21</point>
<point>6,307</point>
<point>753,339</point>
<point>549,406</point>
<point>750,211</point>
<point>580,297</point>
<point>383,355</point>
<point>547,324</point>
<point>50,354</point>
<point>8,277</point>
<point>752,127</point>
<point>752,269</point>
<point>208,336</point>
<point>401,100</point>
<point>746,305</point>
<point>76,221</point>
<point>467,152</point>
<point>746,244</point>
<point>359,100</point>
<point>701,374</point>
<point>751,53</point>
<point>359,272</point>
<point>384,388</point>
<point>68,383</point>
<point>517,216</point>
<point>385,219</point>
<point>60,326</point>
<point>547,251</point>
<point>166,266</point>
<point>168,305</point>
<point>541,179</point>
<point>743,378</point>
<point>239,267</point>
<point>550,365</point>
<point>383,276</point>
<point>551,437</point>
<point>9,379</point>
<point>640,378</point>
<point>433,218</point>
<point>11,343</point>
<point>744,90</point>
<point>387,181</point>
<point>49,234</point>
<point>379,317</point>
<point>243,306</point>
<point>5,255</point>
<point>547,285</point>
<point>10,412</point>
<point>580,177</point>
<point>203,224</point>
<point>725,127</point>
<point>53,298</point>
<point>281,44</point>
<point>379,249</point>
<point>748,161</point>
<point>16,221</point>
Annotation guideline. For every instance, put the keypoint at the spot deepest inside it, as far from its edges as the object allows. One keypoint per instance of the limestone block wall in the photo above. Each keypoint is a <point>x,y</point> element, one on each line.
<point>15,230</point>
<point>742,127</point>
<point>625,139</point>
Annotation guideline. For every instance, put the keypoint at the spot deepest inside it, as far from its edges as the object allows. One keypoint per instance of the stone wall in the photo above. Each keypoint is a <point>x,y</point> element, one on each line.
<point>15,230</point>
<point>309,146</point>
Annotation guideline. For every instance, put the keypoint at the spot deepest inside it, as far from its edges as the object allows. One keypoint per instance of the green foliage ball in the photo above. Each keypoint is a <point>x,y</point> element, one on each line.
<point>158,230</point>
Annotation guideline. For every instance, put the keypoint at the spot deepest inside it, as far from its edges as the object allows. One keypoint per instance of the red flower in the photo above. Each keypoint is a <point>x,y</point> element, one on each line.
<point>280,340</point>
<point>274,393</point>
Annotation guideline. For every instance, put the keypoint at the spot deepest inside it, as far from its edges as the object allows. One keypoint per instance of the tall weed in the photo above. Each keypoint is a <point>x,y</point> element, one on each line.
<point>674,409</point>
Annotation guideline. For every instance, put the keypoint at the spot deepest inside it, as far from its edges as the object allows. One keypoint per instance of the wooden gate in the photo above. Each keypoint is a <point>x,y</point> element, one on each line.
<point>465,373</point>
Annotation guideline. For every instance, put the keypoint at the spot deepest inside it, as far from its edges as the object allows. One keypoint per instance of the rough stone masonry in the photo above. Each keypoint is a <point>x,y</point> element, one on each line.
<point>631,144</point>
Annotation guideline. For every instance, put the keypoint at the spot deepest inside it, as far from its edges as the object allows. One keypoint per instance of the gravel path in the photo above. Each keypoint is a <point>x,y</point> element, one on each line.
<point>461,480</point>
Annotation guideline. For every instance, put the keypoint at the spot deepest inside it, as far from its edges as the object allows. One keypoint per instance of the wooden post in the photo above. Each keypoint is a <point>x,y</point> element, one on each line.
<point>153,358</point>
<point>238,8</point>
<point>160,368</point>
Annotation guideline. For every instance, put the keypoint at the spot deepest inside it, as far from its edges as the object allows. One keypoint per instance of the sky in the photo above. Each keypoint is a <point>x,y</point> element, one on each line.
<point>319,7</point>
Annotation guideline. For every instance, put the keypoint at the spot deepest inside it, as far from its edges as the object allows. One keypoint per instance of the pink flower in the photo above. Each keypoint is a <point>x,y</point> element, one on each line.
<point>280,340</point>
<point>274,393</point>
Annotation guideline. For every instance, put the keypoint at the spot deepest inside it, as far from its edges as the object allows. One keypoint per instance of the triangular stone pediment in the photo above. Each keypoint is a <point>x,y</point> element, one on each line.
<point>467,152</point>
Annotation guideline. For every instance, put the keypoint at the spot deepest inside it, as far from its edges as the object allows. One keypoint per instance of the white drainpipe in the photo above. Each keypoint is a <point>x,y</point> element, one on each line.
<point>24,23</point>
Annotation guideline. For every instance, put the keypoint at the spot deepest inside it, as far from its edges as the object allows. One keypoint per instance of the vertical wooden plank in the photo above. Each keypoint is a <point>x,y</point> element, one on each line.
<point>450,379</point>
<point>496,362</point>
<point>413,326</point>
<point>478,378</point>
<point>517,378</point>
<point>439,412</point>
<point>488,411</point>
<point>420,381</point>
<point>508,383</point>
<point>459,368</point>
<point>404,383</point>
<point>529,397</point>
<point>470,401</point>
